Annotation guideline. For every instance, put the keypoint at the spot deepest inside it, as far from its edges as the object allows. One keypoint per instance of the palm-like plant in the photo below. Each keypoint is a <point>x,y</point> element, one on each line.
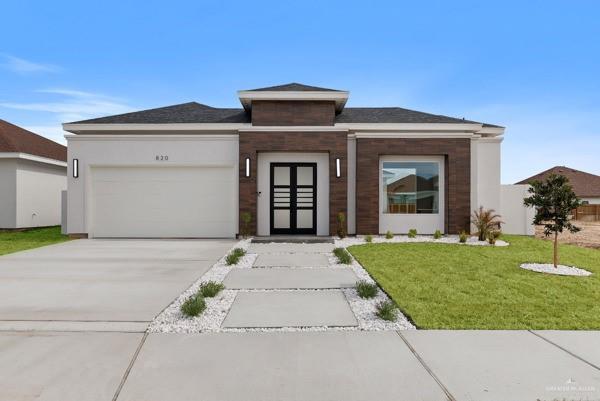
<point>485,221</point>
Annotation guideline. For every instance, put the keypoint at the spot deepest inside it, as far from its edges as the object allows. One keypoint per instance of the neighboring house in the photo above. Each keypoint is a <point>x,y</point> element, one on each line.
<point>585,185</point>
<point>33,172</point>
<point>293,156</point>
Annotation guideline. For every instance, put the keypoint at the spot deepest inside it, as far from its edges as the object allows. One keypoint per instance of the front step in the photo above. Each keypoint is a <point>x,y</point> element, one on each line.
<point>293,239</point>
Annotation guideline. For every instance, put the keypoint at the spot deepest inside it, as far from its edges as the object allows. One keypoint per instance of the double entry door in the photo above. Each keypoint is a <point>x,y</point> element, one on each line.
<point>293,198</point>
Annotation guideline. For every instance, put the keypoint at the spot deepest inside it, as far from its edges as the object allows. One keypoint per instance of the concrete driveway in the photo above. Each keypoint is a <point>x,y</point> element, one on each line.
<point>101,280</point>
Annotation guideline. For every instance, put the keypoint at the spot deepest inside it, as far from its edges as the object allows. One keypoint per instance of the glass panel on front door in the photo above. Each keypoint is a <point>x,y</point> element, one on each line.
<point>293,198</point>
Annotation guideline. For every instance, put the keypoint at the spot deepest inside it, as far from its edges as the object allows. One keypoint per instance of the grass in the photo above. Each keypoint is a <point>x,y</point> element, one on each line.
<point>443,286</point>
<point>14,241</point>
<point>365,289</point>
<point>210,289</point>
<point>193,306</point>
<point>343,256</point>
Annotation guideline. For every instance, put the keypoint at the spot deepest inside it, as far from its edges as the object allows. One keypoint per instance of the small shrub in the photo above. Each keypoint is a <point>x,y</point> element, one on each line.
<point>343,256</point>
<point>389,235</point>
<point>412,233</point>
<point>239,252</point>
<point>210,289</point>
<point>437,234</point>
<point>232,259</point>
<point>341,229</point>
<point>193,306</point>
<point>387,310</point>
<point>492,236</point>
<point>369,238</point>
<point>246,218</point>
<point>485,220</point>
<point>366,289</point>
<point>463,236</point>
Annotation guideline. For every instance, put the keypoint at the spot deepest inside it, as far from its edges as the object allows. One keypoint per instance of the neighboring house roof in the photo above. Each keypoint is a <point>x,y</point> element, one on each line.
<point>200,113</point>
<point>15,139</point>
<point>584,184</point>
<point>293,87</point>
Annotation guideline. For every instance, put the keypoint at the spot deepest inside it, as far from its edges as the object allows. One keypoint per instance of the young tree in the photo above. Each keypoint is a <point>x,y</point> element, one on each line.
<point>554,201</point>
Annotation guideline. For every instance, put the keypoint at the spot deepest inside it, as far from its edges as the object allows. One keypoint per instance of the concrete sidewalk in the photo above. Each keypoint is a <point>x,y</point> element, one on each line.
<point>365,366</point>
<point>298,366</point>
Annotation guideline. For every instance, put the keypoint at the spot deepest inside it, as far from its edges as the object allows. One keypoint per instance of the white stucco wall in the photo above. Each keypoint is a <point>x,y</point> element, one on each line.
<point>39,187</point>
<point>8,197</point>
<point>263,185</point>
<point>351,218</point>
<point>516,217</point>
<point>485,173</point>
<point>140,151</point>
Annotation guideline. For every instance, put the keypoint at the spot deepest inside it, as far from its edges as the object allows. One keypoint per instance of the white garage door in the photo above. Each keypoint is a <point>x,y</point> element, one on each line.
<point>161,202</point>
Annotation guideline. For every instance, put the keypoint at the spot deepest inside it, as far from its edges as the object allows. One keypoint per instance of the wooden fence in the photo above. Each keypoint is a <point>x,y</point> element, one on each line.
<point>587,213</point>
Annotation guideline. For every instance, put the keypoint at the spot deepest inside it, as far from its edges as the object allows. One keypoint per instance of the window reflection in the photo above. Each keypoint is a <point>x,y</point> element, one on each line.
<point>411,187</point>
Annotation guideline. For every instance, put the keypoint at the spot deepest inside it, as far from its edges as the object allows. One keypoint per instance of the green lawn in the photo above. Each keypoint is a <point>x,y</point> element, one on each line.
<point>442,286</point>
<point>13,241</point>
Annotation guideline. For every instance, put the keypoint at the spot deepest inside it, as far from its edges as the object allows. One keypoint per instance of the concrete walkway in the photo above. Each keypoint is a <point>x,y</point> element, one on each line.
<point>300,269</point>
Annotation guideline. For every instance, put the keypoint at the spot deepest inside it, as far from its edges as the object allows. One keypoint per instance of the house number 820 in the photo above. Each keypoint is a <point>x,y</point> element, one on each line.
<point>162,158</point>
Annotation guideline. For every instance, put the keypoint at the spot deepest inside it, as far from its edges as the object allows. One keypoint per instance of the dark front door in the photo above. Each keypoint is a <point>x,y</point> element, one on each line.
<point>293,198</point>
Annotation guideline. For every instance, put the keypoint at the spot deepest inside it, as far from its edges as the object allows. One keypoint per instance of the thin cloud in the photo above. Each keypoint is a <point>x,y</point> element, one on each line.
<point>22,66</point>
<point>73,105</point>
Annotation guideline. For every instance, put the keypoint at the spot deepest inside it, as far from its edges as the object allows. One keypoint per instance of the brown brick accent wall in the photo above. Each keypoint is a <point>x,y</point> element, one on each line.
<point>271,112</point>
<point>335,143</point>
<point>457,153</point>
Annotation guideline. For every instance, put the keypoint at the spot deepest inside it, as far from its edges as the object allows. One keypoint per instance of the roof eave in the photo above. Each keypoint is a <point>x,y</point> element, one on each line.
<point>339,97</point>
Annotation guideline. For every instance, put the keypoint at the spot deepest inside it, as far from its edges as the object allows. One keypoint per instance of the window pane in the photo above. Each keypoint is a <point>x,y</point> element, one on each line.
<point>410,187</point>
<point>281,218</point>
<point>304,176</point>
<point>281,175</point>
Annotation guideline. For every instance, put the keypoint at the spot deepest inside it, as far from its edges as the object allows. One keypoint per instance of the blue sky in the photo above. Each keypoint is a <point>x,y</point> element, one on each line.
<point>532,66</point>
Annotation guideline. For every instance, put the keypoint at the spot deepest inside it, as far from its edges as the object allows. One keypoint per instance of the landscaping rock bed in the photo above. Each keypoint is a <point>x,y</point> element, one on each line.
<point>448,239</point>
<point>560,270</point>
<point>171,320</point>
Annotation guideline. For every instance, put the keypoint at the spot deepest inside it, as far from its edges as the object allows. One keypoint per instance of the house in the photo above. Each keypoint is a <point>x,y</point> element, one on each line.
<point>293,157</point>
<point>33,172</point>
<point>585,185</point>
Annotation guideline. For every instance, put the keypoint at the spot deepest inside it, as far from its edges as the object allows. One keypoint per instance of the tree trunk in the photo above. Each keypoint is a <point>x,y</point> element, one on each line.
<point>556,249</point>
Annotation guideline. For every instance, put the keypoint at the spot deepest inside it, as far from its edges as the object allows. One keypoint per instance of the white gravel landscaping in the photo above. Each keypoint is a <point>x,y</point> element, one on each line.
<point>171,320</point>
<point>447,239</point>
<point>560,270</point>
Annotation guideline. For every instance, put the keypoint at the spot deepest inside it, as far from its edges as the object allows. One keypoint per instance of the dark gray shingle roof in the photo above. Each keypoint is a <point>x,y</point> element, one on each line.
<point>199,113</point>
<point>293,86</point>
<point>180,113</point>
<point>392,115</point>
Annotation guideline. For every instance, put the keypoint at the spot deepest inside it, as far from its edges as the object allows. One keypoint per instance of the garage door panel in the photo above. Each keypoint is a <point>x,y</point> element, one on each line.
<point>163,202</point>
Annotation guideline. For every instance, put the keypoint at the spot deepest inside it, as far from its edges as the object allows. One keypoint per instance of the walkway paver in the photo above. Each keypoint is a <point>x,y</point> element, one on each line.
<point>290,309</point>
<point>300,366</point>
<point>291,260</point>
<point>285,278</point>
<point>503,365</point>
<point>63,366</point>
<point>290,248</point>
